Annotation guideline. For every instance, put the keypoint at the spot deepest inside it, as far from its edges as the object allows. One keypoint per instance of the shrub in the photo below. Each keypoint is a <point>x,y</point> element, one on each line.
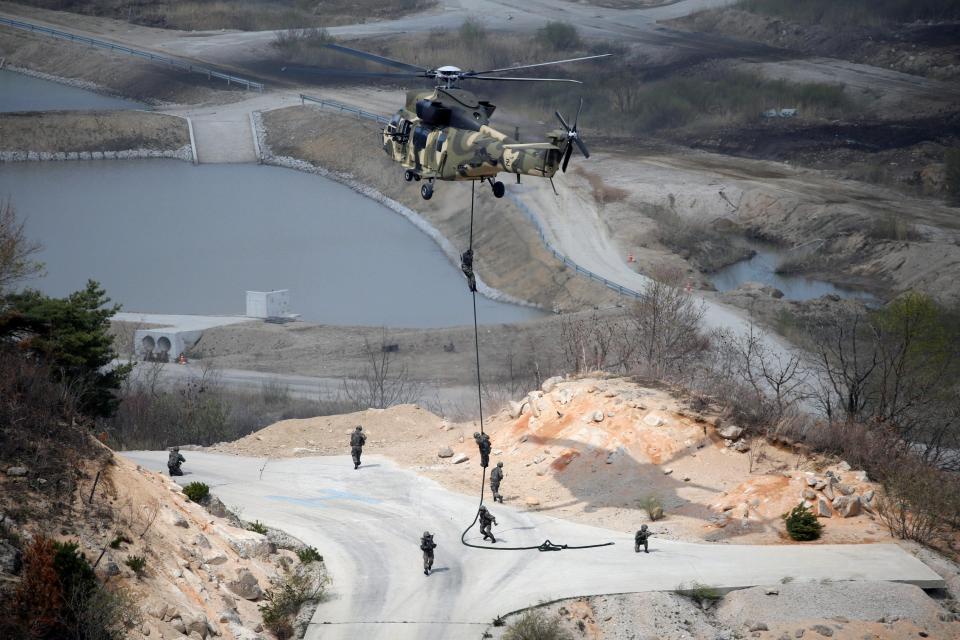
<point>120,540</point>
<point>197,491</point>
<point>699,592</point>
<point>558,35</point>
<point>802,525</point>
<point>309,554</point>
<point>283,602</point>
<point>535,625</point>
<point>257,527</point>
<point>653,507</point>
<point>472,32</point>
<point>137,564</point>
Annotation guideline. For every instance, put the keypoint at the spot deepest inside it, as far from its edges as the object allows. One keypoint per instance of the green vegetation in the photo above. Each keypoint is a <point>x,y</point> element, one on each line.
<point>844,13</point>
<point>71,334</point>
<point>137,563</point>
<point>197,491</point>
<point>802,525</point>
<point>559,36</point>
<point>892,227</point>
<point>257,527</point>
<point>533,624</point>
<point>120,540</point>
<point>309,554</point>
<point>283,602</point>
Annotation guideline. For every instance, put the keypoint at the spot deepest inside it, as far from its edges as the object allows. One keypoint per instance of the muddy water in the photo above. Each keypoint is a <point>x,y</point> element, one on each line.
<point>166,236</point>
<point>19,92</point>
<point>762,268</point>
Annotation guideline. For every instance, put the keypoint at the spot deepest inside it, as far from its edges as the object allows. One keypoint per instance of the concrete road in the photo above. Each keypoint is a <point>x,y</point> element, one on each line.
<point>367,525</point>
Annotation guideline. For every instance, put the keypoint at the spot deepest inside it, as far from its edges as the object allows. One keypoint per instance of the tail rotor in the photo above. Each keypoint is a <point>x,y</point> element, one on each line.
<point>573,137</point>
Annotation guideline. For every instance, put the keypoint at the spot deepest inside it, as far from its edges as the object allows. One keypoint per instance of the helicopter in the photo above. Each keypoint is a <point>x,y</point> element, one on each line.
<point>445,133</point>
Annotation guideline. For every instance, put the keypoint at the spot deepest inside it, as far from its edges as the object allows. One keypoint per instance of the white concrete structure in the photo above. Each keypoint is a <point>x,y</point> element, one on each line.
<point>268,304</point>
<point>164,344</point>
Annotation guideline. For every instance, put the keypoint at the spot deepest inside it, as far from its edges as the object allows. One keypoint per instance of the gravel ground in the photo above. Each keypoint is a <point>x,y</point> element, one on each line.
<point>868,601</point>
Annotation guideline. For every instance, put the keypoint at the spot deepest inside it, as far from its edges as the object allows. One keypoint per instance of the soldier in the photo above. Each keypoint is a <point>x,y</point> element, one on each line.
<point>483,442</point>
<point>466,265</point>
<point>357,440</point>
<point>174,460</point>
<point>641,538</point>
<point>487,519</point>
<point>495,477</point>
<point>427,545</point>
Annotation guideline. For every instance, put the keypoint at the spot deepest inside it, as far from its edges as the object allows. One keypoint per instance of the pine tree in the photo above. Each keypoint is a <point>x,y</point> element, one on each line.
<point>802,525</point>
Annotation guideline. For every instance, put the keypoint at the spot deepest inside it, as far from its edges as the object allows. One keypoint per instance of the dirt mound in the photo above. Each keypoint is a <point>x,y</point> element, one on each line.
<point>594,450</point>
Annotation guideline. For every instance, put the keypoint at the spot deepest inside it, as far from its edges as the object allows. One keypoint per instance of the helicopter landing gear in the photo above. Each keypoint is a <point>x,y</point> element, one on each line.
<point>426,191</point>
<point>498,188</point>
<point>409,175</point>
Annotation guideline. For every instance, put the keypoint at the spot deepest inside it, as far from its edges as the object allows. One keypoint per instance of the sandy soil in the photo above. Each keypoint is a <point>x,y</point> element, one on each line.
<point>91,131</point>
<point>847,611</point>
<point>560,459</point>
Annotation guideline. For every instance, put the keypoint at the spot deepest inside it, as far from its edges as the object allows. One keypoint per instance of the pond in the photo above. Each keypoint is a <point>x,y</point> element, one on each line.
<point>20,92</point>
<point>762,268</point>
<point>165,236</point>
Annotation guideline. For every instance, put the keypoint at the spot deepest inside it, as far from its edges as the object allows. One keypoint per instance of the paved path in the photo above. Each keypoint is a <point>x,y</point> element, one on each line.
<point>367,525</point>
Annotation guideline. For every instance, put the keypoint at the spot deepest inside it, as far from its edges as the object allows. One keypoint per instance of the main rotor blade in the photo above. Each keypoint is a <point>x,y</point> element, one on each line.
<point>566,157</point>
<point>576,118</point>
<point>539,64</point>
<point>320,71</point>
<point>582,147</point>
<point>521,79</point>
<point>390,62</point>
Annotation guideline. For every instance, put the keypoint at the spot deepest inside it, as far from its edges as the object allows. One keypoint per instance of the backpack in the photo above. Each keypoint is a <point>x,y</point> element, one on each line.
<point>427,544</point>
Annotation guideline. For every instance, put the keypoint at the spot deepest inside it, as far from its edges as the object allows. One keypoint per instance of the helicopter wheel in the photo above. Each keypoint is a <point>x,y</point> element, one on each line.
<point>426,191</point>
<point>498,189</point>
<point>409,175</point>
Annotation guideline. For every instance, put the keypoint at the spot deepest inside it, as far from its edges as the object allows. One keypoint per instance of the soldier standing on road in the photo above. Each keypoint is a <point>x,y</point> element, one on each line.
<point>427,545</point>
<point>357,440</point>
<point>487,519</point>
<point>174,460</point>
<point>641,538</point>
<point>495,477</point>
<point>483,442</point>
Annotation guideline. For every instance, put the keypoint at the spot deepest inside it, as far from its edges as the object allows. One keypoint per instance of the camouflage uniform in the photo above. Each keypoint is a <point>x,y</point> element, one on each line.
<point>427,545</point>
<point>496,476</point>
<point>483,442</point>
<point>486,520</point>
<point>357,440</point>
<point>641,538</point>
<point>466,265</point>
<point>174,460</point>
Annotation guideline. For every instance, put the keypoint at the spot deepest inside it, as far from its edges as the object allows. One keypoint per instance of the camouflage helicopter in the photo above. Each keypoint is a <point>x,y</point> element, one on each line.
<point>444,133</point>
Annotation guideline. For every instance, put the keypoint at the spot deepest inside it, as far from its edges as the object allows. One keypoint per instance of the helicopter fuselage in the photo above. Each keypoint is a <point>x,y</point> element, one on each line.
<point>444,134</point>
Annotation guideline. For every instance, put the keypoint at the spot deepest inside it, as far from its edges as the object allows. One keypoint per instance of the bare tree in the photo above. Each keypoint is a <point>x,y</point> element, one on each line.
<point>17,251</point>
<point>667,323</point>
<point>381,383</point>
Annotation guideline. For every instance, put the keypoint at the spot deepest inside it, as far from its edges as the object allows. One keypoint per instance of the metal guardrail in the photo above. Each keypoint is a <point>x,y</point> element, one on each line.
<point>186,66</point>
<point>624,291</point>
<point>339,106</point>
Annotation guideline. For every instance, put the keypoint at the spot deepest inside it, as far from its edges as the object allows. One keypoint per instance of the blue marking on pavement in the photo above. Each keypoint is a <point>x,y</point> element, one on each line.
<point>328,494</point>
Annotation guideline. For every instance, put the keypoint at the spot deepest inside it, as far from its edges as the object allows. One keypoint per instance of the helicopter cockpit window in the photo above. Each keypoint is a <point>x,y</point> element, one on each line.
<point>476,115</point>
<point>440,140</point>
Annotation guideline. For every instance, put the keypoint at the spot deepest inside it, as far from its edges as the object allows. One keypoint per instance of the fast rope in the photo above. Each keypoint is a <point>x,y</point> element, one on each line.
<point>466,264</point>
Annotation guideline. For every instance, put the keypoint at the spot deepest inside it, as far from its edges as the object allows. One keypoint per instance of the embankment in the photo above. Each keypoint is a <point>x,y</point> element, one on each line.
<point>92,135</point>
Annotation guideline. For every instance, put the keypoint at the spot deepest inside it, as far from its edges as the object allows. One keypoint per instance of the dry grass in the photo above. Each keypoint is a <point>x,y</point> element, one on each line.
<point>602,192</point>
<point>246,15</point>
<point>91,131</point>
